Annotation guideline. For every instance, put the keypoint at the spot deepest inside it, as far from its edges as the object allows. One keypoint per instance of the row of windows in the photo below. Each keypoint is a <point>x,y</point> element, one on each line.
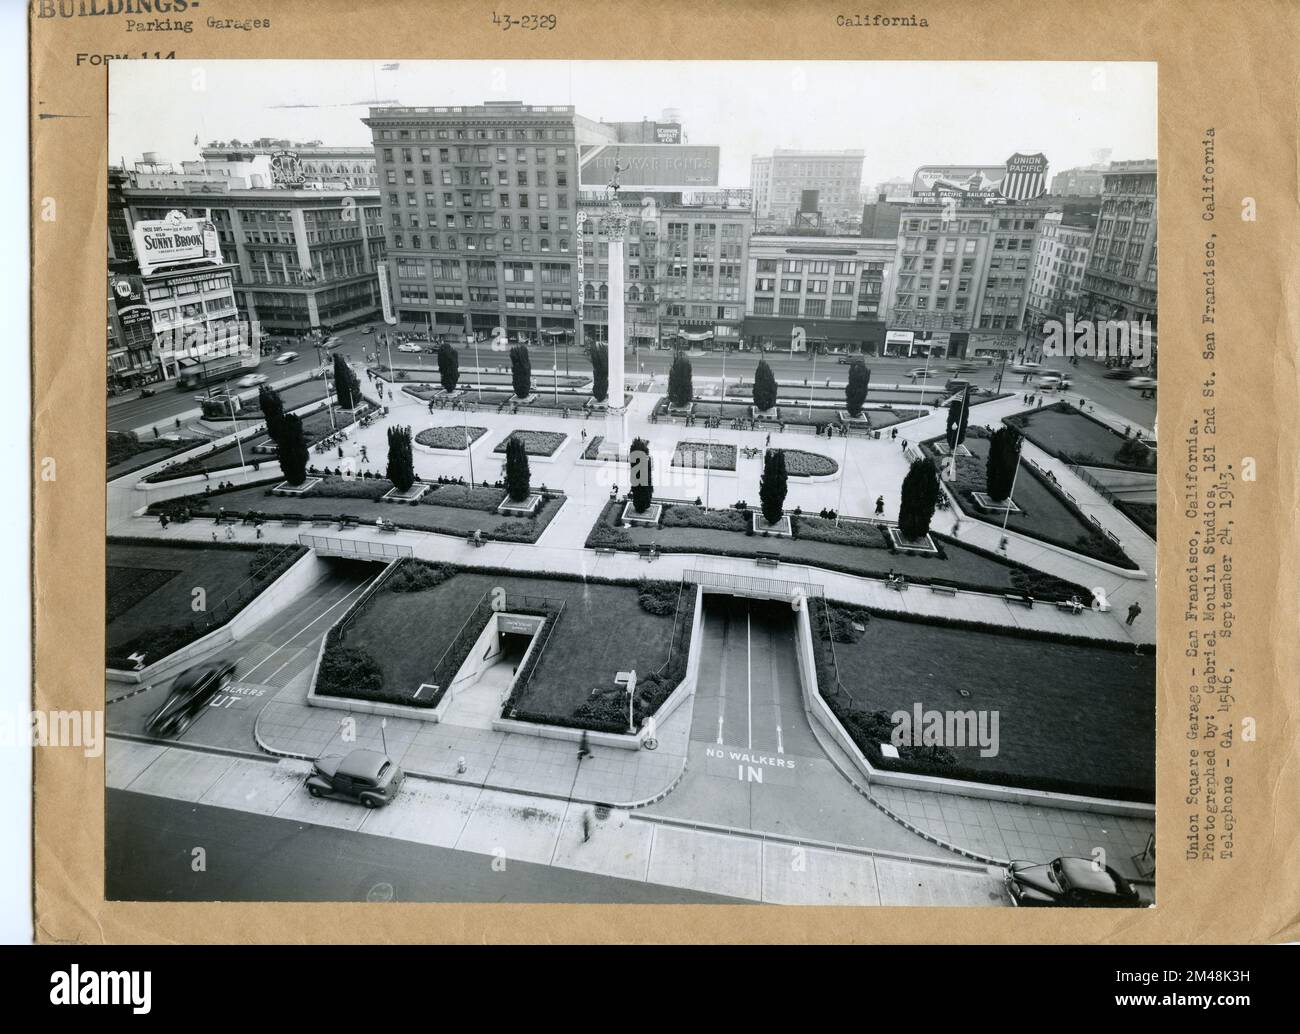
<point>812,307</point>
<point>480,199</point>
<point>478,133</point>
<point>476,242</point>
<point>469,178</point>
<point>541,155</point>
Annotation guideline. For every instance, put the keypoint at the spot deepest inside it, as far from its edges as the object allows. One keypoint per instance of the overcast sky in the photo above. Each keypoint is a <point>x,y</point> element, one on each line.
<point>901,114</point>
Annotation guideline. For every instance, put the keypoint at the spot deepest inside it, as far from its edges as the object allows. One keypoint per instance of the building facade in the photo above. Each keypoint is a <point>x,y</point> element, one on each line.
<point>1120,280</point>
<point>964,275</point>
<point>1083,182</point>
<point>295,164</point>
<point>480,215</point>
<point>779,180</point>
<point>1058,270</point>
<point>818,293</point>
<point>302,260</point>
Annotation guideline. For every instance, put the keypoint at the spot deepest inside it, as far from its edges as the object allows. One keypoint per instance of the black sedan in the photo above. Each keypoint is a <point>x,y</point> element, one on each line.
<point>1069,882</point>
<point>189,694</point>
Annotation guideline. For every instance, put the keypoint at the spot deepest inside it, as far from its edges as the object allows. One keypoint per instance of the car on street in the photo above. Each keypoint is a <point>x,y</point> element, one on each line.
<point>1069,882</point>
<point>190,693</point>
<point>252,380</point>
<point>919,372</point>
<point>368,330</point>
<point>285,358</point>
<point>1025,367</point>
<point>1120,373</point>
<point>1143,383</point>
<point>333,341</point>
<point>953,386</point>
<point>1051,380</point>
<point>366,776</point>
<point>409,346</point>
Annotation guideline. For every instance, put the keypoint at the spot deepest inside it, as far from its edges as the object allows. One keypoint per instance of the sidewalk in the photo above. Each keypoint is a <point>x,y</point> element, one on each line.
<point>492,822</point>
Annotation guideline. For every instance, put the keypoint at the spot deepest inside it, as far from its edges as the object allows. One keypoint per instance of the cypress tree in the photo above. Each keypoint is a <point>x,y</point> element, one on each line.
<point>920,494</point>
<point>773,485</point>
<point>518,476</point>
<point>764,387</point>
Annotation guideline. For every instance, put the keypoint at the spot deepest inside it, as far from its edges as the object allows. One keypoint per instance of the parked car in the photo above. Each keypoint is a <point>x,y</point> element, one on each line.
<point>285,358</point>
<point>1069,882</point>
<point>365,776</point>
<point>252,380</point>
<point>189,694</point>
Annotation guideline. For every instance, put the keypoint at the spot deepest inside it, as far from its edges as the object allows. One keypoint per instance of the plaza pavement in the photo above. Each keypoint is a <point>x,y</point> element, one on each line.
<point>505,827</point>
<point>549,769</point>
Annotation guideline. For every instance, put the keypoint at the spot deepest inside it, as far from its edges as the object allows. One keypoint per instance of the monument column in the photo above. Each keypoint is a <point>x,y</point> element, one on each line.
<point>616,440</point>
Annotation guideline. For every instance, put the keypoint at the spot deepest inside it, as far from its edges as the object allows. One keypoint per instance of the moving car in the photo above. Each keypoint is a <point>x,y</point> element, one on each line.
<point>366,776</point>
<point>368,330</point>
<point>1120,373</point>
<point>409,346</point>
<point>189,694</point>
<point>252,380</point>
<point>1144,383</point>
<point>1025,367</point>
<point>1051,380</point>
<point>285,358</point>
<point>1069,882</point>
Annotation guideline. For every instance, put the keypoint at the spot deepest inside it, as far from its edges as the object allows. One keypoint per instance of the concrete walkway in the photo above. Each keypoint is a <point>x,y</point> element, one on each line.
<point>505,827</point>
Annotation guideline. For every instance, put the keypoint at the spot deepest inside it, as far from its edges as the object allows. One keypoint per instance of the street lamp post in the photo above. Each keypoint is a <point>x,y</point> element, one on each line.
<point>1012,494</point>
<point>925,376</point>
<point>329,402</point>
<point>708,467</point>
<point>230,401</point>
<point>469,450</point>
<point>812,386</point>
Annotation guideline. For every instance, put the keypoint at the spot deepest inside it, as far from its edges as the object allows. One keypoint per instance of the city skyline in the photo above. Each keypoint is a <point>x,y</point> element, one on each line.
<point>162,107</point>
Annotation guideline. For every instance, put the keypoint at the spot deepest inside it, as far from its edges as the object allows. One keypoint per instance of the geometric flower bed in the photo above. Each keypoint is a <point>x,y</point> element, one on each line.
<point>1063,431</point>
<point>702,455</point>
<point>449,437</point>
<point>800,464</point>
<point>536,443</point>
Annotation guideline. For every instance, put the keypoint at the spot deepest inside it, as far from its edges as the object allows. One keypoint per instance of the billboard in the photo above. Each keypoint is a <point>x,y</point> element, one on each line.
<point>128,297</point>
<point>174,240</point>
<point>668,167</point>
<point>668,132</point>
<point>1022,177</point>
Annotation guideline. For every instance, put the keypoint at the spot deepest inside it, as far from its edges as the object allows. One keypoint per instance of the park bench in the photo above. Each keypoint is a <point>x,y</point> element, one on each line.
<point>224,518</point>
<point>605,551</point>
<point>290,520</point>
<point>346,521</point>
<point>943,590</point>
<point>1024,601</point>
<point>320,519</point>
<point>897,584</point>
<point>1070,607</point>
<point>386,527</point>
<point>648,552</point>
<point>253,517</point>
<point>768,559</point>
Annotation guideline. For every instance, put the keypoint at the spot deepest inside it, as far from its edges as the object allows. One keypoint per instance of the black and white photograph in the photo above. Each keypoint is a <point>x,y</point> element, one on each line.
<point>631,482</point>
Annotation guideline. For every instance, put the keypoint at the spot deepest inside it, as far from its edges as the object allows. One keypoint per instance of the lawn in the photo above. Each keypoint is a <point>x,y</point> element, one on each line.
<point>861,549</point>
<point>1044,515</point>
<point>126,453</point>
<point>1142,514</point>
<point>407,633</point>
<point>1070,435</point>
<point>1070,717</point>
<point>256,450</point>
<point>150,590</point>
<point>536,443</point>
<point>465,512</point>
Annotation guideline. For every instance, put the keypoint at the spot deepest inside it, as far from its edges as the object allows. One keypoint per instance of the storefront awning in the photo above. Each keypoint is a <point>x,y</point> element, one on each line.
<point>814,329</point>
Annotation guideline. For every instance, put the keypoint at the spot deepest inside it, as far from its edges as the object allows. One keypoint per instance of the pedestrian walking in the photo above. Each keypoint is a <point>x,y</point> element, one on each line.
<point>365,456</point>
<point>893,433</point>
<point>258,528</point>
<point>1002,545</point>
<point>586,826</point>
<point>230,533</point>
<point>1134,610</point>
<point>768,441</point>
<point>214,536</point>
<point>880,505</point>
<point>340,452</point>
<point>956,528</point>
<point>584,746</point>
<point>904,446</point>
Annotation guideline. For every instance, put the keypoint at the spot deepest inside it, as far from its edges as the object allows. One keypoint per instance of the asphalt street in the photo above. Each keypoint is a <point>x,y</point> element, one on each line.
<point>150,843</point>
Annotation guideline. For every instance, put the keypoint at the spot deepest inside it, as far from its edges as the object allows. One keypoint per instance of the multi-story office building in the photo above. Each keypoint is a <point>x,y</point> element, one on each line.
<point>1120,280</point>
<point>132,359</point>
<point>301,259</point>
<point>1082,182</point>
<point>1058,269</point>
<point>479,209</point>
<point>835,290</point>
<point>963,276</point>
<point>779,180</point>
